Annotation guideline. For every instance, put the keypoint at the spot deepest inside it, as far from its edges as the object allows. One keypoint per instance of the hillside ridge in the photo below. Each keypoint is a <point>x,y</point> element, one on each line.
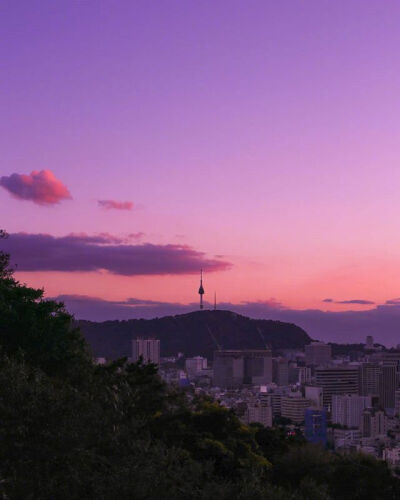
<point>194,333</point>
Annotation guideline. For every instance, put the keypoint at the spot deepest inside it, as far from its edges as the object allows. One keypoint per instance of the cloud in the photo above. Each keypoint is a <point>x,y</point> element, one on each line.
<point>356,301</point>
<point>360,302</point>
<point>81,252</point>
<point>136,236</point>
<point>393,302</point>
<point>115,205</point>
<point>43,188</point>
<point>383,321</point>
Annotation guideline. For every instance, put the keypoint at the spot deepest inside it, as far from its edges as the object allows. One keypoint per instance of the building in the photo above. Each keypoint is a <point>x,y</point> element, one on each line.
<point>293,407</point>
<point>369,379</point>
<point>345,438</point>
<point>148,349</point>
<point>304,375</point>
<point>373,423</point>
<point>392,456</point>
<point>234,368</point>
<point>259,413</point>
<point>194,366</point>
<point>315,426</point>
<point>318,353</point>
<point>387,385</point>
<point>280,371</point>
<point>314,394</point>
<point>336,380</point>
<point>347,409</point>
<point>397,402</point>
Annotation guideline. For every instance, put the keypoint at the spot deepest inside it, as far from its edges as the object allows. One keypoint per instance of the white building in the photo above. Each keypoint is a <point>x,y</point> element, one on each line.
<point>293,407</point>
<point>259,412</point>
<point>392,456</point>
<point>148,349</point>
<point>345,438</point>
<point>314,394</point>
<point>347,409</point>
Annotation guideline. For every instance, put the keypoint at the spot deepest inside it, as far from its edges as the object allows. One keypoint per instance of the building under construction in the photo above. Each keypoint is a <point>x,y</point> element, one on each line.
<point>235,368</point>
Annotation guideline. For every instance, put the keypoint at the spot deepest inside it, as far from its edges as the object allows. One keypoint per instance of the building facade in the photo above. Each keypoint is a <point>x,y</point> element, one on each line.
<point>235,368</point>
<point>148,349</point>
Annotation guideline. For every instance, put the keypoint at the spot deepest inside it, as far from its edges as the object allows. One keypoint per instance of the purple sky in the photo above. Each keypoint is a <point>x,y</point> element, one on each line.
<point>258,139</point>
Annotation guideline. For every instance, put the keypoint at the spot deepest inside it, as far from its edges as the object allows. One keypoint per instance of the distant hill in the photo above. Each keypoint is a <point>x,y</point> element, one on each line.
<point>195,333</point>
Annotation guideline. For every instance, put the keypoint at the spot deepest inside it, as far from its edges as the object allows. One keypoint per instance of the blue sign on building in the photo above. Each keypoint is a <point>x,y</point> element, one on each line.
<point>315,426</point>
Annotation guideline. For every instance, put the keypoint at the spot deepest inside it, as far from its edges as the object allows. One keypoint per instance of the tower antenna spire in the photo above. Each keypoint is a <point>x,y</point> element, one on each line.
<point>201,289</point>
<point>215,301</point>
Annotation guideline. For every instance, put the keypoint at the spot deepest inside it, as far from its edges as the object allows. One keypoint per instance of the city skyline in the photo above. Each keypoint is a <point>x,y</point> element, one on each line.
<point>258,142</point>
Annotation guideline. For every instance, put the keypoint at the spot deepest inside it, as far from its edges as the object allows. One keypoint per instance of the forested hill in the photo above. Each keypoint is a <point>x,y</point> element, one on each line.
<point>196,333</point>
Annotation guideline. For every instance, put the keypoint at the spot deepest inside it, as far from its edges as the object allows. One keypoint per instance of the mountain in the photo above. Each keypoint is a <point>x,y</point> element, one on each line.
<point>195,333</point>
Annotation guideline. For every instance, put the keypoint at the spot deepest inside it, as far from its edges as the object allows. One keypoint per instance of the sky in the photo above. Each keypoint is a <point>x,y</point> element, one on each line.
<point>258,140</point>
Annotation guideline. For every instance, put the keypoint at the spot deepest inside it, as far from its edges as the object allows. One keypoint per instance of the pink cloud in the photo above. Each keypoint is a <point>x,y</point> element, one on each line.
<point>115,205</point>
<point>41,187</point>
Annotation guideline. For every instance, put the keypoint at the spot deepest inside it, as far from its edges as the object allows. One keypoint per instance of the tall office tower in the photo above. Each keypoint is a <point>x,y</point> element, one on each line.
<point>318,353</point>
<point>315,426</point>
<point>347,409</point>
<point>369,379</point>
<point>336,380</point>
<point>293,407</point>
<point>387,385</point>
<point>195,365</point>
<point>148,349</point>
<point>259,412</point>
<point>373,423</point>
<point>304,375</point>
<point>369,344</point>
<point>234,368</point>
<point>280,371</point>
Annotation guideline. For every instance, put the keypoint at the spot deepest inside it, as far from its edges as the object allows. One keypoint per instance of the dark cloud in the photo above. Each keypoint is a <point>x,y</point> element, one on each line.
<point>361,302</point>
<point>356,301</point>
<point>43,188</point>
<point>80,252</point>
<point>383,321</point>
<point>393,302</point>
<point>115,205</point>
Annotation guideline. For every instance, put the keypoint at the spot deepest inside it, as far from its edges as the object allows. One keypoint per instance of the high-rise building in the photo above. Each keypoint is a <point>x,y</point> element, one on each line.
<point>336,380</point>
<point>280,371</point>
<point>148,349</point>
<point>293,407</point>
<point>347,409</point>
<point>373,423</point>
<point>315,426</point>
<point>387,385</point>
<point>234,368</point>
<point>318,353</point>
<point>369,379</point>
<point>304,375</point>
